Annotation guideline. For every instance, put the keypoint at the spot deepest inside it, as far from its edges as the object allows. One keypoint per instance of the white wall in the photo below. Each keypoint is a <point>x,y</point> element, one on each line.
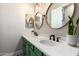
<point>12,25</point>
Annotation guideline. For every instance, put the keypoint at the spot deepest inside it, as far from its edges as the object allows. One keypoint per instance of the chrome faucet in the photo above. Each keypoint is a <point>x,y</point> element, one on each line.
<point>52,38</point>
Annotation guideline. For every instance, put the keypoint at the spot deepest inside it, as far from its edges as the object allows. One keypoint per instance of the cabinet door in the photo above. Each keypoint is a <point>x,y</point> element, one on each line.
<point>32,53</point>
<point>38,52</point>
<point>25,47</point>
<point>26,52</point>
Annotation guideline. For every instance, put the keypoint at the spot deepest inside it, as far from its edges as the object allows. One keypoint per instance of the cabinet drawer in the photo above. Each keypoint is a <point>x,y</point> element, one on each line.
<point>37,51</point>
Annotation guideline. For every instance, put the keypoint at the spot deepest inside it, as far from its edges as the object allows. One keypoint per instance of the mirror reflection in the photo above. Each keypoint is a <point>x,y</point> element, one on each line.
<point>57,14</point>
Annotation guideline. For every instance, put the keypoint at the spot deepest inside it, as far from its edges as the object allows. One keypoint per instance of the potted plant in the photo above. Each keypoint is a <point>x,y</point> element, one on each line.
<point>72,37</point>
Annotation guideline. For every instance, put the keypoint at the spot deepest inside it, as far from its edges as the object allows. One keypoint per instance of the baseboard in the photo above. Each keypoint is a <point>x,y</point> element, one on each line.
<point>15,53</point>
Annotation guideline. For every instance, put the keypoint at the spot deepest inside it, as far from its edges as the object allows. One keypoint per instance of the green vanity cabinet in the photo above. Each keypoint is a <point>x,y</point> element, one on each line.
<point>30,50</point>
<point>25,47</point>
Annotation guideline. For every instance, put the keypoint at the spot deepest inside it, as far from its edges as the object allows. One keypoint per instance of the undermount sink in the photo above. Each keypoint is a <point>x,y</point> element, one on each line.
<point>48,42</point>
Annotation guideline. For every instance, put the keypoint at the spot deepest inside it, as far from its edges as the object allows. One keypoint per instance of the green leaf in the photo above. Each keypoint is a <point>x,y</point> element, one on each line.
<point>70,26</point>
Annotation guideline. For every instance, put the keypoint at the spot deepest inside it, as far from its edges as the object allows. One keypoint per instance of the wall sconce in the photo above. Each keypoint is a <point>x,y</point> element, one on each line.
<point>38,7</point>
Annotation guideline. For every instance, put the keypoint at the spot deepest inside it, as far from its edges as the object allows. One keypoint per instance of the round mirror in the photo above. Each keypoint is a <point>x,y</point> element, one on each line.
<point>57,14</point>
<point>39,20</point>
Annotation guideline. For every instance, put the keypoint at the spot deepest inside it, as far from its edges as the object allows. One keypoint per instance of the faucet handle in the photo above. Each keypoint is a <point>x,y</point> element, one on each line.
<point>58,39</point>
<point>53,37</point>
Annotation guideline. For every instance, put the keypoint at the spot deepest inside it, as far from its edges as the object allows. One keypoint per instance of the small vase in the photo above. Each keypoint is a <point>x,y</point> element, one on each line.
<point>72,40</point>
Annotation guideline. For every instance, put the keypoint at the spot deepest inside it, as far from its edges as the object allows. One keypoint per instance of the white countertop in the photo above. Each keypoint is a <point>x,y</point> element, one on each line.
<point>62,49</point>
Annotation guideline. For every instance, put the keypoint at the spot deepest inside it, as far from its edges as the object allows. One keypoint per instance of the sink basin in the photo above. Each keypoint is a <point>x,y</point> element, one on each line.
<point>48,42</point>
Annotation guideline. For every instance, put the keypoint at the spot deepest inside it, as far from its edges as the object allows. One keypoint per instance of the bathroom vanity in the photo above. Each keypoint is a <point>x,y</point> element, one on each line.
<point>34,46</point>
<point>56,17</point>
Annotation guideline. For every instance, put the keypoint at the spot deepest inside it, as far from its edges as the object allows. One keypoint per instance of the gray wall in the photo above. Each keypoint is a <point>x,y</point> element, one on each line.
<point>12,25</point>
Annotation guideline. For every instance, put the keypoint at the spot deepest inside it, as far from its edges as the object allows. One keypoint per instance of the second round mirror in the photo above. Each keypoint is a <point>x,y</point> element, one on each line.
<point>38,20</point>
